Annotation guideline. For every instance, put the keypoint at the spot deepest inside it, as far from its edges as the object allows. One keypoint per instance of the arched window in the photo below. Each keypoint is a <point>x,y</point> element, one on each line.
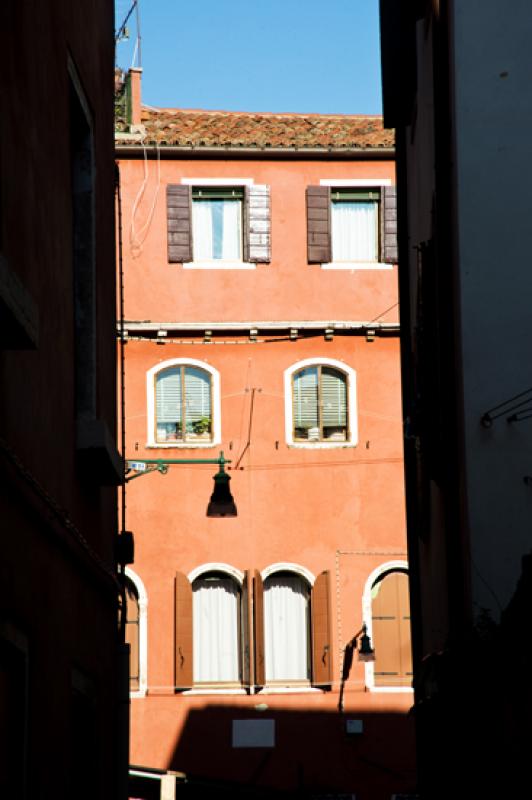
<point>136,633</point>
<point>287,627</point>
<point>183,404</point>
<point>216,628</point>
<point>390,629</point>
<point>320,404</point>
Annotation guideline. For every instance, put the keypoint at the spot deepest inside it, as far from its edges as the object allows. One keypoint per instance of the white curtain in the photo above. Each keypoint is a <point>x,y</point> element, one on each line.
<point>217,230</point>
<point>232,236</point>
<point>354,231</point>
<point>286,628</point>
<point>202,230</point>
<point>215,630</point>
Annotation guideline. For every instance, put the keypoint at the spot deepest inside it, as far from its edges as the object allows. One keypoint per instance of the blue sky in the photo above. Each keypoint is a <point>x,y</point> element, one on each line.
<point>273,55</point>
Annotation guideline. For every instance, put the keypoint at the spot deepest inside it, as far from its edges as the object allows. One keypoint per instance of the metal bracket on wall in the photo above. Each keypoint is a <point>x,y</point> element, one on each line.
<point>515,409</point>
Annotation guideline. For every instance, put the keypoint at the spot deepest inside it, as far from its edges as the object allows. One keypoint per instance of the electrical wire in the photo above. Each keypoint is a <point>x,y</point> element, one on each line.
<point>137,238</point>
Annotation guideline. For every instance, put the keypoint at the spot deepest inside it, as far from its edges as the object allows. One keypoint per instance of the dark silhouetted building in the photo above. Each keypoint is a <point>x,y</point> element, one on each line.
<point>63,720</point>
<point>456,85</point>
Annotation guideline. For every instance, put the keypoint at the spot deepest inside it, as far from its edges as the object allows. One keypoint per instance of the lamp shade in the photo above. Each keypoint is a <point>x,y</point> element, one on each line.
<point>365,650</point>
<point>222,503</point>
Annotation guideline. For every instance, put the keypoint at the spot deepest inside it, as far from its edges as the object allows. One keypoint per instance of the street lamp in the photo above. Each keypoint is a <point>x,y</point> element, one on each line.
<point>365,653</point>
<point>221,504</point>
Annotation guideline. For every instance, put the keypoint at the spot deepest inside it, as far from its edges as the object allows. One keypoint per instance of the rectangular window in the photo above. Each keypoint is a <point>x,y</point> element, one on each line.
<point>355,224</point>
<point>217,223</point>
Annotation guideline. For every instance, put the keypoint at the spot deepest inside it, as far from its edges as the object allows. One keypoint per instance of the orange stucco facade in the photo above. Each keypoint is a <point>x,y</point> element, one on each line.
<point>338,509</point>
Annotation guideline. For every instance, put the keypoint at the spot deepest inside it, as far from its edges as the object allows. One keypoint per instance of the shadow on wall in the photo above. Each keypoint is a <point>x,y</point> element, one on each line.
<point>232,751</point>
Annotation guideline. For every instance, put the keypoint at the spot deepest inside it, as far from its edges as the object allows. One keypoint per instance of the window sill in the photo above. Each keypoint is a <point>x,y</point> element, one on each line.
<point>190,692</point>
<point>138,693</point>
<point>290,690</point>
<point>219,265</point>
<point>356,265</point>
<point>180,445</point>
<point>392,689</point>
<point>320,445</point>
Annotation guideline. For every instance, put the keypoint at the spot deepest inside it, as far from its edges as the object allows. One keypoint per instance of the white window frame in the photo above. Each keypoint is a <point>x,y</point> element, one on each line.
<point>215,404</point>
<point>369,667</point>
<point>142,597</point>
<point>351,376</point>
<point>359,183</point>
<point>218,263</point>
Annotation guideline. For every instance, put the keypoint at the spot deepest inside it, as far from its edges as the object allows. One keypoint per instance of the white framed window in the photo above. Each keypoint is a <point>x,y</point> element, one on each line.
<point>386,612</point>
<point>320,404</point>
<point>219,223</point>
<point>352,223</point>
<point>216,631</point>
<point>137,633</point>
<point>183,404</point>
<point>355,224</point>
<point>287,625</point>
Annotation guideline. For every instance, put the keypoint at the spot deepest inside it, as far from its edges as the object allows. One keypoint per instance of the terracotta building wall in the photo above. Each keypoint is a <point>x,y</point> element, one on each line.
<point>339,510</point>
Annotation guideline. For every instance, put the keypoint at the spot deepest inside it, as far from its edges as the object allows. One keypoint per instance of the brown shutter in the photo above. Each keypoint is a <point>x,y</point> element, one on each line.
<point>246,629</point>
<point>405,652</point>
<point>321,631</point>
<point>389,225</point>
<point>318,224</point>
<point>391,633</point>
<point>179,218</point>
<point>132,636</point>
<point>183,632</point>
<point>258,618</point>
<point>257,224</point>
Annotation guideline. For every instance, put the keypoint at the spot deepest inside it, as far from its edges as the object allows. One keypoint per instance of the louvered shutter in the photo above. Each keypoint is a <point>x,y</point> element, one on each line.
<point>258,629</point>
<point>305,398</point>
<point>257,224</point>
<point>333,398</point>
<point>318,224</point>
<point>183,632</point>
<point>179,221</point>
<point>321,631</point>
<point>389,225</point>
<point>168,395</point>
<point>197,394</point>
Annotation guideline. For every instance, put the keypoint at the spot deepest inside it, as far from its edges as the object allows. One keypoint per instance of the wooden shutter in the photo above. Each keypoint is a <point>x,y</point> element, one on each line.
<point>318,224</point>
<point>321,631</point>
<point>391,631</point>
<point>258,627</point>
<point>389,225</point>
<point>132,635</point>
<point>183,632</point>
<point>179,218</point>
<point>257,224</point>
<point>246,637</point>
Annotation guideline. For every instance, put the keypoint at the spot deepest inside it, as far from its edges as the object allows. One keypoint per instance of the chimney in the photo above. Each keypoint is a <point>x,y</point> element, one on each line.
<point>135,74</point>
